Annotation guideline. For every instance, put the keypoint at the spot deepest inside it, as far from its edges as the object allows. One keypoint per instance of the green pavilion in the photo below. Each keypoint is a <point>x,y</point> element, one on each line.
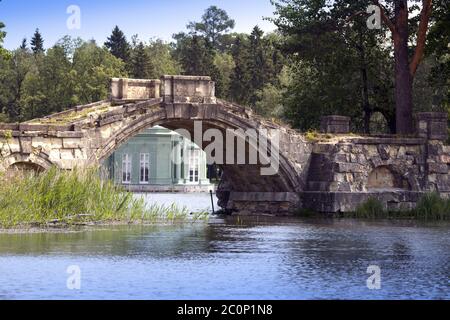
<point>160,160</point>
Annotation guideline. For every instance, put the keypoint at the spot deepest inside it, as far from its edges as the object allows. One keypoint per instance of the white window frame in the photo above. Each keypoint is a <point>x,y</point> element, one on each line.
<point>144,168</point>
<point>126,168</point>
<point>194,166</point>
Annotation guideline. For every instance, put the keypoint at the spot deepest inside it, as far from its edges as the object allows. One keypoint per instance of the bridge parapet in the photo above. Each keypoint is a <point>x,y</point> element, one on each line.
<point>188,89</point>
<point>123,89</point>
<point>174,89</point>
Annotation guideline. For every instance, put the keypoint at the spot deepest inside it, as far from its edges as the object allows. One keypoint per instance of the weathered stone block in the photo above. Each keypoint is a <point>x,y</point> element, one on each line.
<point>188,89</point>
<point>26,146</point>
<point>67,154</point>
<point>432,125</point>
<point>335,124</point>
<point>350,167</point>
<point>438,168</point>
<point>134,89</point>
<point>71,143</point>
<point>55,155</point>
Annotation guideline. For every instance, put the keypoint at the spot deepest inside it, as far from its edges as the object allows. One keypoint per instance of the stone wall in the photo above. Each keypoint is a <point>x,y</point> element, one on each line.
<point>348,170</point>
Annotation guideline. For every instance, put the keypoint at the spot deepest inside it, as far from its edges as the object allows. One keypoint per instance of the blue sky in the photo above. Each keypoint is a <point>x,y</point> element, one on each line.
<point>148,18</point>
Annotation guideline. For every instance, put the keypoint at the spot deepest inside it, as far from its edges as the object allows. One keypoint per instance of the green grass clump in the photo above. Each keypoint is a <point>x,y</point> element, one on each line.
<point>73,197</point>
<point>371,209</point>
<point>432,206</point>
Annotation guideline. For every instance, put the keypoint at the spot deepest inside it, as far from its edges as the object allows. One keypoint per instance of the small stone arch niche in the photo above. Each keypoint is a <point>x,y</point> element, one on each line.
<point>382,178</point>
<point>24,168</point>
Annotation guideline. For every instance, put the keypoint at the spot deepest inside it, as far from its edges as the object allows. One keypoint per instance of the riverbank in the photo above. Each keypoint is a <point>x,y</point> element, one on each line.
<point>62,199</point>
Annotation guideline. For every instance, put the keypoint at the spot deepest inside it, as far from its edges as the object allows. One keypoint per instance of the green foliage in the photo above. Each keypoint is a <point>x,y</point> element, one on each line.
<point>161,59</point>
<point>140,66</point>
<point>341,67</point>
<point>72,72</point>
<point>3,52</point>
<point>92,69</point>
<point>74,197</point>
<point>258,65</point>
<point>37,43</point>
<point>306,213</point>
<point>432,207</point>
<point>118,45</point>
<point>371,209</point>
<point>224,65</point>
<point>215,23</point>
<point>194,55</point>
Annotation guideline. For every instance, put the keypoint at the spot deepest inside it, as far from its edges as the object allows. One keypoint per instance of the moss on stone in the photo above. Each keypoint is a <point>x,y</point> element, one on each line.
<point>69,117</point>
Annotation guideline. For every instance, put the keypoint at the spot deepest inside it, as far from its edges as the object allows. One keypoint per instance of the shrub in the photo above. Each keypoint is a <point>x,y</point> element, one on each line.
<point>432,206</point>
<point>73,197</point>
<point>372,208</point>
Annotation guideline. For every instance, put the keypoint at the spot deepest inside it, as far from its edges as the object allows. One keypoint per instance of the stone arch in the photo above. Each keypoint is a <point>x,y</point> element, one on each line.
<point>26,167</point>
<point>387,177</point>
<point>17,160</point>
<point>241,178</point>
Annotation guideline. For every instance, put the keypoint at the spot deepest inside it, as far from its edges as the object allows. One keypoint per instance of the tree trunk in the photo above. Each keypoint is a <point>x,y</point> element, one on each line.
<point>403,78</point>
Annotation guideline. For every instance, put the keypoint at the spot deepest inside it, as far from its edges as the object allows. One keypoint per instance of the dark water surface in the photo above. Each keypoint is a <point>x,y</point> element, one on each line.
<point>232,259</point>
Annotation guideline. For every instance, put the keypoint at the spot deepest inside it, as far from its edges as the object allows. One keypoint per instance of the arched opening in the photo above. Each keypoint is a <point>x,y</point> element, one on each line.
<point>383,178</point>
<point>240,183</point>
<point>24,168</point>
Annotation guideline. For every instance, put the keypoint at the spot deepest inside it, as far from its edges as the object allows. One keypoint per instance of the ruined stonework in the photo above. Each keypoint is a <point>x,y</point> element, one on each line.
<point>336,173</point>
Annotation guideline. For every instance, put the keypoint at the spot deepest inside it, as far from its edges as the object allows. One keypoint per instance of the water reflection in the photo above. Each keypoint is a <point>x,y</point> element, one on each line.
<point>232,259</point>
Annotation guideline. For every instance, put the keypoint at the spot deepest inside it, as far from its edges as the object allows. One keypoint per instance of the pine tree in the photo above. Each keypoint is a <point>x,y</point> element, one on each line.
<point>141,68</point>
<point>118,45</point>
<point>241,76</point>
<point>37,43</point>
<point>23,45</point>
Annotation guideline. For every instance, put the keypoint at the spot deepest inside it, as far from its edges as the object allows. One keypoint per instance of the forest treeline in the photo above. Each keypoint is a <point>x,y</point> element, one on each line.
<point>321,60</point>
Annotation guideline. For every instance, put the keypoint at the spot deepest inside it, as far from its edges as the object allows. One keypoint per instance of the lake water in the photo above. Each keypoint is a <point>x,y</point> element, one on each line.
<point>231,258</point>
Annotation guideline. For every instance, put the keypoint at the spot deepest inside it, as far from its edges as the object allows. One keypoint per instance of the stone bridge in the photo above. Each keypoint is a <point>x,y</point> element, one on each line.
<point>330,172</point>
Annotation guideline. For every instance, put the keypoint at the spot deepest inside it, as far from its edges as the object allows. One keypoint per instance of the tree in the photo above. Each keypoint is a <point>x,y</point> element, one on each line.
<point>350,65</point>
<point>162,59</point>
<point>337,29</point>
<point>92,69</point>
<point>23,45</point>
<point>438,52</point>
<point>265,62</point>
<point>405,68</point>
<point>140,64</point>
<point>15,75</point>
<point>2,36</point>
<point>215,22</point>
<point>194,54</point>
<point>37,43</point>
<point>241,76</point>
<point>224,64</point>
<point>118,45</point>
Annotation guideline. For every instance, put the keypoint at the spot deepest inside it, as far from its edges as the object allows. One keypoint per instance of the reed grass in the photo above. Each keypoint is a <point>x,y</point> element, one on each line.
<point>431,206</point>
<point>74,197</point>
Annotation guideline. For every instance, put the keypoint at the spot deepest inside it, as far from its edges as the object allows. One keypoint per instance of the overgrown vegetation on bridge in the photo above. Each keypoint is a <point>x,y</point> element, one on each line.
<point>68,198</point>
